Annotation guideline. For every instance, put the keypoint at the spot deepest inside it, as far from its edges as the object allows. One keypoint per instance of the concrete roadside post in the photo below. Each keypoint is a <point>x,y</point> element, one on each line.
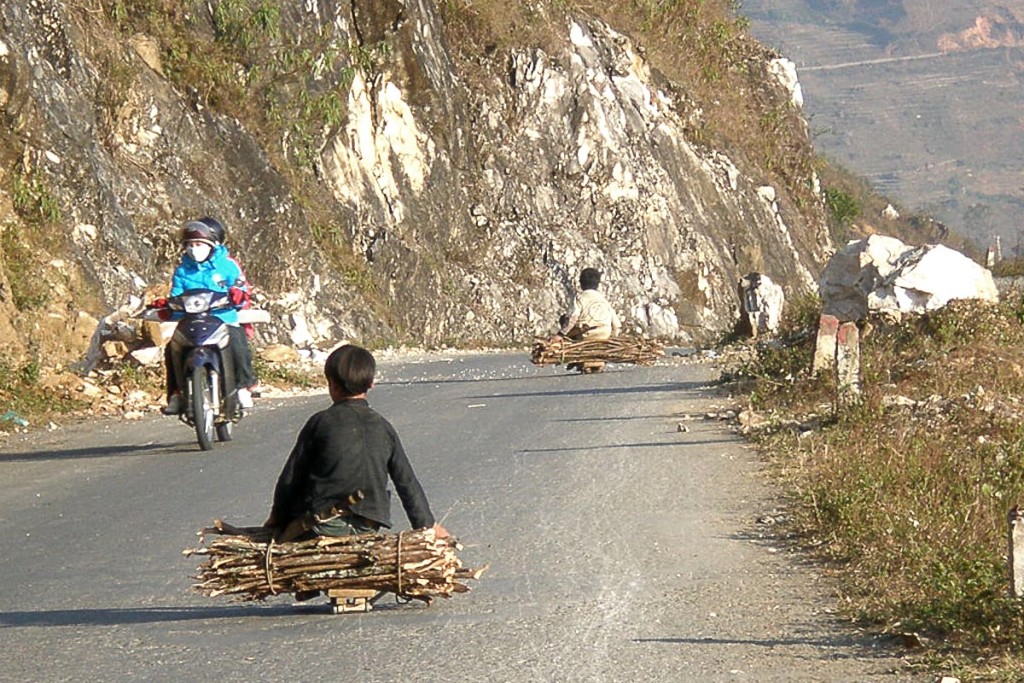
<point>1016,520</point>
<point>848,364</point>
<point>838,350</point>
<point>825,347</point>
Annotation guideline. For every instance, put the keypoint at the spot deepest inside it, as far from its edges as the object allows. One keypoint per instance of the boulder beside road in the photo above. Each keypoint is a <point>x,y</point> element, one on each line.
<point>883,275</point>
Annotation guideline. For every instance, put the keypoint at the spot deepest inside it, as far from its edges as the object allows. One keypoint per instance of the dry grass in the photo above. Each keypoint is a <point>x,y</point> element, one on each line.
<point>908,499</point>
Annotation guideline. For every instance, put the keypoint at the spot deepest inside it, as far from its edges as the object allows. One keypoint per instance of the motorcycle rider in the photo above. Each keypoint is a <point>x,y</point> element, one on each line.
<point>206,265</point>
<point>220,236</point>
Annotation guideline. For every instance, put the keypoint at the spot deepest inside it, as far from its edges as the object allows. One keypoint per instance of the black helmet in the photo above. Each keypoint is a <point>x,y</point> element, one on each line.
<point>198,231</point>
<point>219,233</point>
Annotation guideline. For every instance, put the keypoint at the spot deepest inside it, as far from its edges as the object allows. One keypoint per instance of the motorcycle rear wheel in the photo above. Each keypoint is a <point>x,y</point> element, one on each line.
<point>202,407</point>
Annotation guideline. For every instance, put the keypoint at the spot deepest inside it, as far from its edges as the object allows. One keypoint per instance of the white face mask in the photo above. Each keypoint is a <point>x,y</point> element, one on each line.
<point>198,251</point>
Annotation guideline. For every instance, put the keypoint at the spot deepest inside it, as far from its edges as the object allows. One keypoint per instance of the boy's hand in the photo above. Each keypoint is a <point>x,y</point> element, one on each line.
<point>440,531</point>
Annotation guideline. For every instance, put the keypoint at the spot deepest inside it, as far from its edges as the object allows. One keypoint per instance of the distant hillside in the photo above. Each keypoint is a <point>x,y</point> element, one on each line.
<point>926,104</point>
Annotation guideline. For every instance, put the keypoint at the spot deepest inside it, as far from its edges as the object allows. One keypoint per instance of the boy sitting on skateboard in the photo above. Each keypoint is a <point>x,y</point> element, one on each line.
<point>335,482</point>
<point>592,317</point>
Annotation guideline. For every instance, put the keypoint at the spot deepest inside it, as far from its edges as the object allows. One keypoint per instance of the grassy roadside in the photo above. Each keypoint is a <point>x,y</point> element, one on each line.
<point>906,495</point>
<point>32,397</point>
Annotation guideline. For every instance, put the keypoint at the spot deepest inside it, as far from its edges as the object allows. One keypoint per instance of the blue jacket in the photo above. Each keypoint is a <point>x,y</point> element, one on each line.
<point>219,273</point>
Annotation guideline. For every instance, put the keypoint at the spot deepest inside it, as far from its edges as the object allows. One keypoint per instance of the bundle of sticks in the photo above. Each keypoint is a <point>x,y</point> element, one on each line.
<point>623,349</point>
<point>244,562</point>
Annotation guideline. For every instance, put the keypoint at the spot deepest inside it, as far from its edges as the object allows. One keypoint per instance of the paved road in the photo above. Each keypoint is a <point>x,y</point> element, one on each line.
<point>621,548</point>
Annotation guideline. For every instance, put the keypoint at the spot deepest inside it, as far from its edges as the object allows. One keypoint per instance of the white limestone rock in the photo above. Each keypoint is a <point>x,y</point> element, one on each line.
<point>883,275</point>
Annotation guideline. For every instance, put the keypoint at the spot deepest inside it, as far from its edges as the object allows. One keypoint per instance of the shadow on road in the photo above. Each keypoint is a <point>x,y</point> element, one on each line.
<point>116,616</point>
<point>443,379</point>
<point>612,446</point>
<point>121,616</point>
<point>860,643</point>
<point>594,391</point>
<point>613,419</point>
<point>98,452</point>
<point>140,615</point>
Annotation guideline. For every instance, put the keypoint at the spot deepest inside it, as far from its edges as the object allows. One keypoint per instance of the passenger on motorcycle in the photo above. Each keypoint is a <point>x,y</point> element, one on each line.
<point>205,264</point>
<point>220,236</point>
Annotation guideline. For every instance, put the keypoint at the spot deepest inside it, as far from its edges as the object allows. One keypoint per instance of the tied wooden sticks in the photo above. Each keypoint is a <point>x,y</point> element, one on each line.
<point>622,349</point>
<point>244,562</point>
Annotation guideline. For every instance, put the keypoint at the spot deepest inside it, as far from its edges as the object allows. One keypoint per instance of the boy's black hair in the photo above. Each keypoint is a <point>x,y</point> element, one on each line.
<point>352,368</point>
<point>590,278</point>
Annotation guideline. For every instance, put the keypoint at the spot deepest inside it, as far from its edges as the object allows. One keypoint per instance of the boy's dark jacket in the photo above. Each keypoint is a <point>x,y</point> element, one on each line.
<point>346,448</point>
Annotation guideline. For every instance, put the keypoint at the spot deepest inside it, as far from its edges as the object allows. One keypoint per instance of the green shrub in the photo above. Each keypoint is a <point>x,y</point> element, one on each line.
<point>33,199</point>
<point>21,265</point>
<point>286,374</point>
<point>843,208</point>
<point>22,394</point>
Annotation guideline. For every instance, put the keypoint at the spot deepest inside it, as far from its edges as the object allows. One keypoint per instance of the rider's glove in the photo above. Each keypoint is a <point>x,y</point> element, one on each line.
<point>238,296</point>
<point>158,303</point>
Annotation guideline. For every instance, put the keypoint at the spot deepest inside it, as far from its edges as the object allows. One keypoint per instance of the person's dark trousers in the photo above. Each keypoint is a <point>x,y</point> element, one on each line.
<point>345,526</point>
<point>173,385</point>
<point>245,377</point>
<point>244,374</point>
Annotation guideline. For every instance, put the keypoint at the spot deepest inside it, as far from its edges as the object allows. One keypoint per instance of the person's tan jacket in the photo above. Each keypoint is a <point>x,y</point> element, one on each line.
<point>591,308</point>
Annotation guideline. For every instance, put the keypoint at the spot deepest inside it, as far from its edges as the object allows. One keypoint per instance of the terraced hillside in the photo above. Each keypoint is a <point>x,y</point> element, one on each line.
<point>926,102</point>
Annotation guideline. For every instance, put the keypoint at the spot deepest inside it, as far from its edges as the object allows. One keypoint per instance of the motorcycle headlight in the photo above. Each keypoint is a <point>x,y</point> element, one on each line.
<point>197,303</point>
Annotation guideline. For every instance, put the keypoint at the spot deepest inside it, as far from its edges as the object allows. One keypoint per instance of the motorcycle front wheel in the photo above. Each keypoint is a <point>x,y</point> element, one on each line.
<point>224,432</point>
<point>202,408</point>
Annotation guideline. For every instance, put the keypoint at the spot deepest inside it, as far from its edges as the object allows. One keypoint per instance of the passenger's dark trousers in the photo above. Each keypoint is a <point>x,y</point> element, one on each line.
<point>244,375</point>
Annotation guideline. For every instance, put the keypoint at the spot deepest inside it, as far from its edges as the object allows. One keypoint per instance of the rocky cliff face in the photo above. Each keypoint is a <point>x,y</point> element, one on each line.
<point>377,185</point>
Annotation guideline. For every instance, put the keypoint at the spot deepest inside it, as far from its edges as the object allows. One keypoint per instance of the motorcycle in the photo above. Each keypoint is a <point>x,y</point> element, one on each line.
<point>203,366</point>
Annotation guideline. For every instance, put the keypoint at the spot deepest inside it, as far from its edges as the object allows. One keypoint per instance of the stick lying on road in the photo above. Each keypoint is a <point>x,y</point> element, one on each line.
<point>615,350</point>
<point>245,562</point>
